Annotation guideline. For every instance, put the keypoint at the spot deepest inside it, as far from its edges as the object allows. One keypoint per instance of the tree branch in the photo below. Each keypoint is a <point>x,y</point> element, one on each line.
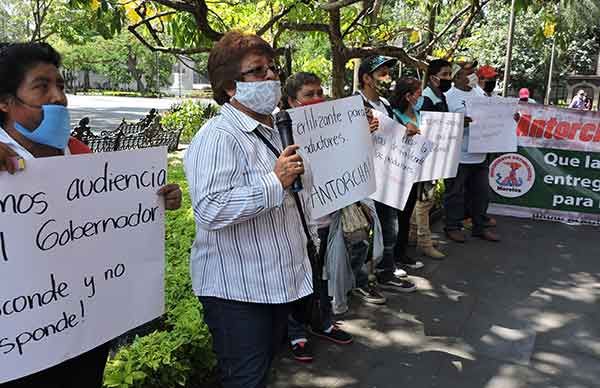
<point>465,25</point>
<point>338,4</point>
<point>305,27</point>
<point>390,51</point>
<point>360,15</point>
<point>445,30</point>
<point>168,50</point>
<point>275,19</point>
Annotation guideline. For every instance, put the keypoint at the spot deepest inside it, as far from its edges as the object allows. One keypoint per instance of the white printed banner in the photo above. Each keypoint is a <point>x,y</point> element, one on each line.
<point>445,131</point>
<point>335,137</point>
<point>493,128</point>
<point>398,161</point>
<point>81,255</point>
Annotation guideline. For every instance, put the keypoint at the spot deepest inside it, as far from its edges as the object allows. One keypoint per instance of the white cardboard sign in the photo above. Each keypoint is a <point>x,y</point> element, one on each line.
<point>81,255</point>
<point>493,128</point>
<point>445,131</point>
<point>334,135</point>
<point>398,161</point>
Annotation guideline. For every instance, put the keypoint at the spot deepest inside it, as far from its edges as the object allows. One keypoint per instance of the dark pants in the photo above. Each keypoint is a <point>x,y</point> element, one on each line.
<point>86,370</point>
<point>297,317</point>
<point>246,337</point>
<point>395,225</point>
<point>471,182</point>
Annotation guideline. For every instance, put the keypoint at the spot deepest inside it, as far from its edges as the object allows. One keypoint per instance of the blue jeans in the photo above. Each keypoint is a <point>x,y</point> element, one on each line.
<point>246,337</point>
<point>395,225</point>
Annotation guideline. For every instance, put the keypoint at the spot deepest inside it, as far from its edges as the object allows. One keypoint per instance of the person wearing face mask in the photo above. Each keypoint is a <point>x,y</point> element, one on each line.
<point>471,182</point>
<point>250,258</point>
<point>407,102</point>
<point>34,123</point>
<point>439,81</point>
<point>303,89</point>
<point>375,81</point>
<point>488,77</point>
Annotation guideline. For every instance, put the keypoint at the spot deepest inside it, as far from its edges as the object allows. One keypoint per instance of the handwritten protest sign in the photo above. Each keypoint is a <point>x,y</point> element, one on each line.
<point>335,137</point>
<point>398,161</point>
<point>445,130</point>
<point>493,128</point>
<point>82,255</point>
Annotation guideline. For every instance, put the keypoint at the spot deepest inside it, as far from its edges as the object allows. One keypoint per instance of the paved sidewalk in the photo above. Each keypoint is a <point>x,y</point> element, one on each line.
<point>520,313</point>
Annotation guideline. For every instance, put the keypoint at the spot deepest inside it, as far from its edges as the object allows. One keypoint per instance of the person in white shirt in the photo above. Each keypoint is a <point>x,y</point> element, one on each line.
<point>471,179</point>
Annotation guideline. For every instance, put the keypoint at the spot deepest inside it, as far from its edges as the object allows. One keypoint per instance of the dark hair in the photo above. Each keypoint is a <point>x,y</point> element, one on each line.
<point>436,65</point>
<point>404,86</point>
<point>16,59</point>
<point>295,82</point>
<point>226,57</point>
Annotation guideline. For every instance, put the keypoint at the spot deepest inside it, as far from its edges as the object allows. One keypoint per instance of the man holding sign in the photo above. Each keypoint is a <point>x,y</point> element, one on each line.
<point>471,180</point>
<point>35,124</point>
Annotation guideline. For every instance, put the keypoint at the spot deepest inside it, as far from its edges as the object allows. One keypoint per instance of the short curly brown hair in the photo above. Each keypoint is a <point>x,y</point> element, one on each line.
<point>226,57</point>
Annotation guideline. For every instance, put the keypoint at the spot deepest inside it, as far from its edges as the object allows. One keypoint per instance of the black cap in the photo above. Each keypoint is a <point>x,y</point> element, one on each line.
<point>370,64</point>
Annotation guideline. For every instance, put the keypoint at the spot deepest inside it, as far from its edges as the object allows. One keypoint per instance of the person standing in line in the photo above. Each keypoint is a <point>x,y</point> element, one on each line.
<point>250,258</point>
<point>302,89</point>
<point>488,78</point>
<point>472,176</point>
<point>375,80</point>
<point>407,101</point>
<point>35,123</point>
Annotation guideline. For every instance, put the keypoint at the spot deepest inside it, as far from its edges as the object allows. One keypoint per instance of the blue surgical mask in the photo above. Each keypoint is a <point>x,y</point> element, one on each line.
<point>53,131</point>
<point>419,104</point>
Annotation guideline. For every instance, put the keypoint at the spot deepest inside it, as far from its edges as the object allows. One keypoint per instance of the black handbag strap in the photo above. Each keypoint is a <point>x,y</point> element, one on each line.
<point>277,153</point>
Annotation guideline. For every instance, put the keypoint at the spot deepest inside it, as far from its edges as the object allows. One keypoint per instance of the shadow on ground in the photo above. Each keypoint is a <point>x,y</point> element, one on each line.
<point>520,313</point>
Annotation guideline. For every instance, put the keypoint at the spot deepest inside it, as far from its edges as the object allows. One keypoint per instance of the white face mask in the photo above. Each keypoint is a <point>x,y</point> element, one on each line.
<point>473,80</point>
<point>261,96</point>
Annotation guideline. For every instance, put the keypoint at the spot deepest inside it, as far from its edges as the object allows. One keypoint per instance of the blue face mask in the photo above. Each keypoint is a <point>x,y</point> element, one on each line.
<point>53,131</point>
<point>419,104</point>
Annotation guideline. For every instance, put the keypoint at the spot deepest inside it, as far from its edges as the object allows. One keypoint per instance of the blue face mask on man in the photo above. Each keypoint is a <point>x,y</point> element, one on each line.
<point>53,131</point>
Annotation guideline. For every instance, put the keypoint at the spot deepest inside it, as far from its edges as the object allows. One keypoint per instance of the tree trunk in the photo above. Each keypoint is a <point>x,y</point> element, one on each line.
<point>86,80</point>
<point>338,55</point>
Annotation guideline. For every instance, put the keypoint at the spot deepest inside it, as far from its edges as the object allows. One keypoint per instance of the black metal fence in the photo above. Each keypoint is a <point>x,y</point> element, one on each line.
<point>148,132</point>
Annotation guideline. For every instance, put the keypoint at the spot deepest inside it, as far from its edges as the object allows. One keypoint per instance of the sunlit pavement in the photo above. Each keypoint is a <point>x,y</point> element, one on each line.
<point>520,313</point>
<point>107,112</point>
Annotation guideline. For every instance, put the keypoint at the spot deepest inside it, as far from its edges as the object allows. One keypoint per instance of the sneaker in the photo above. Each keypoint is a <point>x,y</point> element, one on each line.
<point>370,294</point>
<point>397,284</point>
<point>302,351</point>
<point>336,335</point>
<point>400,272</point>
<point>410,262</point>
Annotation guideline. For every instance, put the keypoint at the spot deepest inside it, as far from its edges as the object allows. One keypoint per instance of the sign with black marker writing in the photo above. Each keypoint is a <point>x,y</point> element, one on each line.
<point>81,255</point>
<point>399,159</point>
<point>334,135</point>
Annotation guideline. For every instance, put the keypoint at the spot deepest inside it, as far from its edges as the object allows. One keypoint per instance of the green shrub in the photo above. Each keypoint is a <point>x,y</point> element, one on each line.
<point>179,353</point>
<point>190,115</point>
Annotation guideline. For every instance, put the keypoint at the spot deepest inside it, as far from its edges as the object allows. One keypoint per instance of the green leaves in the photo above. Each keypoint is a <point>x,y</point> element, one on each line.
<point>180,351</point>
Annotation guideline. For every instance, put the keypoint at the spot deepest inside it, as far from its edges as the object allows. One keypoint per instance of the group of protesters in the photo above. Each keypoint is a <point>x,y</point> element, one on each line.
<point>263,269</point>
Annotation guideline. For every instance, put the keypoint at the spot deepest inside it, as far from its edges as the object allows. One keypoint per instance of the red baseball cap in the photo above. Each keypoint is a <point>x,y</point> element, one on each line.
<point>524,93</point>
<point>486,71</point>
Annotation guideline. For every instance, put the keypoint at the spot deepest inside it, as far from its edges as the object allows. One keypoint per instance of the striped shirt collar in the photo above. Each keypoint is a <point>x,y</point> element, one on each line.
<point>242,120</point>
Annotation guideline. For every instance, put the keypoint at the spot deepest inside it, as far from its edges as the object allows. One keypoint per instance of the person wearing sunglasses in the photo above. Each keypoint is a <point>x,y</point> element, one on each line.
<point>249,260</point>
